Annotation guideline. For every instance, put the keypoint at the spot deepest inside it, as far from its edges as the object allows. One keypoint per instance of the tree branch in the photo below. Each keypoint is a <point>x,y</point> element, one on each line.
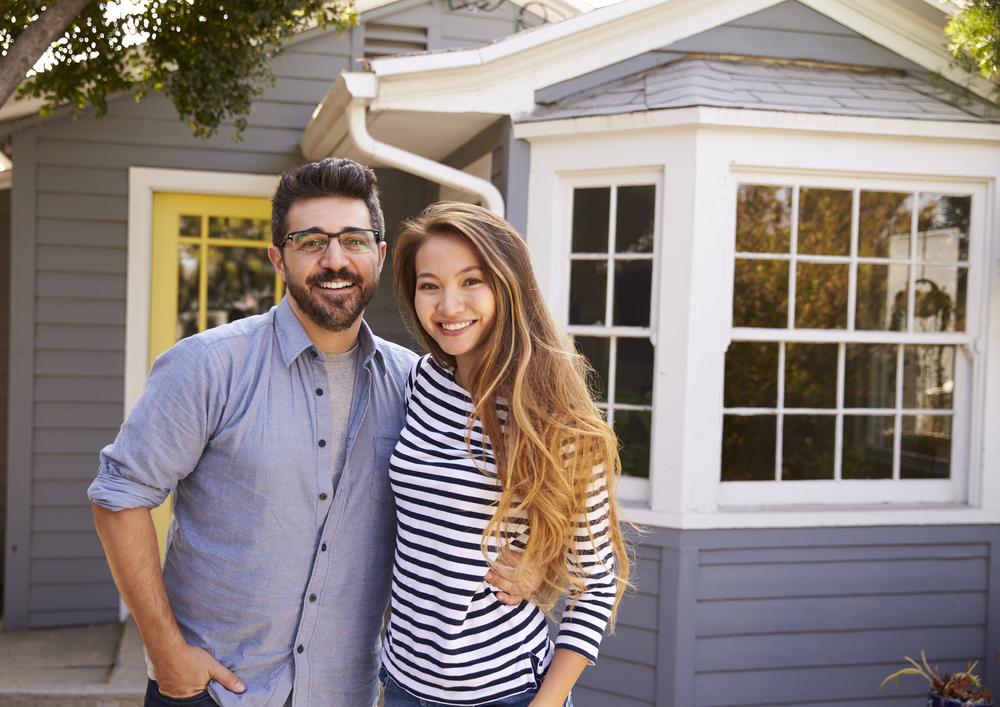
<point>31,44</point>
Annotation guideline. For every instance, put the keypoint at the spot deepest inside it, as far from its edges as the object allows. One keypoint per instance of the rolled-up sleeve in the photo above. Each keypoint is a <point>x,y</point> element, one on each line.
<point>167,430</point>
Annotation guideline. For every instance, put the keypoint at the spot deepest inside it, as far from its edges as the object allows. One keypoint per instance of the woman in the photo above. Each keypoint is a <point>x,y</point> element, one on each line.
<point>501,436</point>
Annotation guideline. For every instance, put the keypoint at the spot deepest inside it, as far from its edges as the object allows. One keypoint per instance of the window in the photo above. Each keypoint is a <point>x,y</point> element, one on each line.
<point>850,353</point>
<point>610,305</point>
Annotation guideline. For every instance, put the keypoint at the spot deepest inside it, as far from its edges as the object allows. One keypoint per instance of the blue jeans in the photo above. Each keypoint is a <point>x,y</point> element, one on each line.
<point>396,696</point>
<point>155,699</point>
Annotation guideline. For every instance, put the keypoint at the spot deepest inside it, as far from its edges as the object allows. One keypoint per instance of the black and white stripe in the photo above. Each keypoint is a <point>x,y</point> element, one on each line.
<point>449,639</point>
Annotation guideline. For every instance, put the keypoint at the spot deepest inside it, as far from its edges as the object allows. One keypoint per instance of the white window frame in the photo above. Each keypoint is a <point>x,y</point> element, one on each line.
<point>969,364</point>
<point>630,489</point>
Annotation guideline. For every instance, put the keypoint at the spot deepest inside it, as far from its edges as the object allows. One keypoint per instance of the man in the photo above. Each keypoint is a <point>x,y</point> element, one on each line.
<point>276,432</point>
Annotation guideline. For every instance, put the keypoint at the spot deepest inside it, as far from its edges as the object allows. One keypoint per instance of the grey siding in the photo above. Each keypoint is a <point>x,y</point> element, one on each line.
<point>68,327</point>
<point>4,372</point>
<point>797,617</point>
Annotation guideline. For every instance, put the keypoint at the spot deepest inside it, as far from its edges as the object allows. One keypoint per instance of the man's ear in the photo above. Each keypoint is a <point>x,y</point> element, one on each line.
<point>274,253</point>
<point>383,247</point>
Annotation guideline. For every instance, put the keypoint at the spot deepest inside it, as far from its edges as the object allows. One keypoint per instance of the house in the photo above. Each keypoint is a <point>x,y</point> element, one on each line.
<point>768,226</point>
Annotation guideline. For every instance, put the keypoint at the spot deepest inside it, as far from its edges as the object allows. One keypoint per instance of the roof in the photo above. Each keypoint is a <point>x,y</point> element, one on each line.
<point>754,83</point>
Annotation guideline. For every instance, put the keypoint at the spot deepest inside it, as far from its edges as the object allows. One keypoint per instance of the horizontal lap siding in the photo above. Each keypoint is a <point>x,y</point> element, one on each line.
<point>814,619</point>
<point>80,288</point>
<point>625,673</point>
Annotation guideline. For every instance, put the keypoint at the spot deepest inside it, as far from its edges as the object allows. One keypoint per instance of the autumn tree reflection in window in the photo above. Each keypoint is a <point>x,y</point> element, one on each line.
<point>835,371</point>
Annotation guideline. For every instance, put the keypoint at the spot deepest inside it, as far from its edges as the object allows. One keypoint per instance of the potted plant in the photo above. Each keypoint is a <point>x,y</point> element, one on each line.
<point>956,690</point>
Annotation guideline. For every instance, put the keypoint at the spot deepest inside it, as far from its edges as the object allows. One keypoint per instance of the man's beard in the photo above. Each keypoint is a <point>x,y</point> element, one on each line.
<point>340,314</point>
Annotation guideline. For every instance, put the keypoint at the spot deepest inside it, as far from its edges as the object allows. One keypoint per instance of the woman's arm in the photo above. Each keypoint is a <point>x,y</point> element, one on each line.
<point>563,672</point>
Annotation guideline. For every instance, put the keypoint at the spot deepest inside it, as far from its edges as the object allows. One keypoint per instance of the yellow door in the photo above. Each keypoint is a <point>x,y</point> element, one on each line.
<point>209,267</point>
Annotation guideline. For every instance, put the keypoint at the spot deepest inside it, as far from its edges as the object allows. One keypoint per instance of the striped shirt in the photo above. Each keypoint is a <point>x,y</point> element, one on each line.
<point>449,639</point>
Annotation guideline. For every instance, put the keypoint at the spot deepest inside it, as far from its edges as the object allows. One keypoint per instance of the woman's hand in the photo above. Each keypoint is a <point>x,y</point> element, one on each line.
<point>503,576</point>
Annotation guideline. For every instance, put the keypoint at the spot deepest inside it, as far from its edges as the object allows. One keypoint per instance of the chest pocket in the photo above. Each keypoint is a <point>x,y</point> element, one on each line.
<point>381,489</point>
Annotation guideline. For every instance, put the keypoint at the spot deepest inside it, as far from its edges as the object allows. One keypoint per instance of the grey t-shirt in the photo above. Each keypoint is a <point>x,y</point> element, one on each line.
<point>340,371</point>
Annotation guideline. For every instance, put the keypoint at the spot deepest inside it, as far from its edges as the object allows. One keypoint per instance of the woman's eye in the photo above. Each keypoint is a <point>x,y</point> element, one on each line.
<point>472,281</point>
<point>426,286</point>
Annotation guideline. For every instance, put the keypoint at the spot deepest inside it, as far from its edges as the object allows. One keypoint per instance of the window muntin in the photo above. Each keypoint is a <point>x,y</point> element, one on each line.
<point>610,306</point>
<point>821,274</point>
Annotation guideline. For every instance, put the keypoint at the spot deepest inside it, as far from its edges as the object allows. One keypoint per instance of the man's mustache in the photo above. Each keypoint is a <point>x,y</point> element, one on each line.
<point>331,275</point>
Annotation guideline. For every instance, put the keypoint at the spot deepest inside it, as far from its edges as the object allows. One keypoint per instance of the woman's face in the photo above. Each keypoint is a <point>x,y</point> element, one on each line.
<point>453,302</point>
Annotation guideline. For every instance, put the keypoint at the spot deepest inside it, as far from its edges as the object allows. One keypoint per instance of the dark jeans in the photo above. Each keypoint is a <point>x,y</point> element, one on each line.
<point>155,699</point>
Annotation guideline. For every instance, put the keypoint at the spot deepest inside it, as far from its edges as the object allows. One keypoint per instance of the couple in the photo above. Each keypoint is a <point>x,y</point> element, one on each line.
<point>300,504</point>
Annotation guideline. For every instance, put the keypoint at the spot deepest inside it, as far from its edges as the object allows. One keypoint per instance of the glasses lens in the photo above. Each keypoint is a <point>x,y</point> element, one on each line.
<point>305,242</point>
<point>357,241</point>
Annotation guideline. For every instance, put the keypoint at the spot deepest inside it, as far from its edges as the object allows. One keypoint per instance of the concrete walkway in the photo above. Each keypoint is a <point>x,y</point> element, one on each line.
<point>81,666</point>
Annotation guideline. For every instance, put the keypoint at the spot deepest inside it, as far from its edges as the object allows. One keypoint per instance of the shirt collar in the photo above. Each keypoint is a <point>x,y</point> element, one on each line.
<point>293,340</point>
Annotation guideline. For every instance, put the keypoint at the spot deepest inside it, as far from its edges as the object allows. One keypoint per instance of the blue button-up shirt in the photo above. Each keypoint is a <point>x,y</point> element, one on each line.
<point>282,581</point>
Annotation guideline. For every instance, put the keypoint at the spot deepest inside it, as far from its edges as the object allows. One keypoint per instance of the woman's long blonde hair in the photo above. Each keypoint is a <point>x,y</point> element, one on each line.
<point>555,443</point>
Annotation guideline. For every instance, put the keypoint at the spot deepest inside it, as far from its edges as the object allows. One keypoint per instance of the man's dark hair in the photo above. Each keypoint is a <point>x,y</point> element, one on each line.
<point>333,176</point>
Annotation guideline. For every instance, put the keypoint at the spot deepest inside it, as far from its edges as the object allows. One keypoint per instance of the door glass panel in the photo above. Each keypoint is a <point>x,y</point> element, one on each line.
<point>241,228</point>
<point>240,283</point>
<point>187,289</point>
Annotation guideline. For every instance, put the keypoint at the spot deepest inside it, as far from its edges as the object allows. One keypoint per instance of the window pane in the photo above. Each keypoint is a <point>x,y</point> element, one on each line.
<point>751,375</point>
<point>591,216</point>
<point>943,227</point>
<point>760,294</point>
<point>597,350</point>
<point>824,222</point>
<point>867,450</point>
<point>763,219</point>
<point>240,283</point>
<point>870,376</point>
<point>882,297</point>
<point>939,298</point>
<point>807,449</point>
<point>633,292</point>
<point>748,447</point>
<point>928,377</point>
<point>588,287</point>
<point>187,287</point>
<point>821,296</point>
<point>250,229</point>
<point>885,222</point>
<point>925,447</point>
<point>634,372</point>
<point>811,375</point>
<point>632,428</point>
<point>634,219</point>
<point>190,226</point>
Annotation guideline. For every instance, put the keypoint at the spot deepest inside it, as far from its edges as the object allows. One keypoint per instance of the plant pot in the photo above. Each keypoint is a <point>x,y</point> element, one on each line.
<point>938,701</point>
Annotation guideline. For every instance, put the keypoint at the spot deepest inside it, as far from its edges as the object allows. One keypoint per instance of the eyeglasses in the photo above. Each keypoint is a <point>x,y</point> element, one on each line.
<point>354,240</point>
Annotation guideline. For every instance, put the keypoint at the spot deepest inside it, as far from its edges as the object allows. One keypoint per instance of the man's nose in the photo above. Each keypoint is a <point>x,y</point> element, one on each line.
<point>335,257</point>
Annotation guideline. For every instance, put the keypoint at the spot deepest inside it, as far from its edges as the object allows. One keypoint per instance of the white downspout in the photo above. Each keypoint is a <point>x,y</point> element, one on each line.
<point>415,164</point>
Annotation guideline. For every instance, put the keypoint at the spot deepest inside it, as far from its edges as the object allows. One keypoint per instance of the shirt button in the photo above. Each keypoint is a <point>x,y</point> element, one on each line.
<point>314,354</point>
<point>312,597</point>
<point>323,547</point>
<point>322,497</point>
<point>322,443</point>
<point>319,391</point>
<point>300,649</point>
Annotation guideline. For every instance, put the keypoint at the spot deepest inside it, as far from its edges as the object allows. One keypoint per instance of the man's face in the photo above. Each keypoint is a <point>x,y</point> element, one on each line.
<point>332,288</point>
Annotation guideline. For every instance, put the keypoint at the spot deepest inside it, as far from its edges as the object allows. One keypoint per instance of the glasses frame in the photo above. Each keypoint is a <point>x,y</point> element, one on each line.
<point>332,236</point>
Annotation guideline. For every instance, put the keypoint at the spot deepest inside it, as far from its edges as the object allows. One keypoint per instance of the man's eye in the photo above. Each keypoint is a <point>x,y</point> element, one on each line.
<point>354,241</point>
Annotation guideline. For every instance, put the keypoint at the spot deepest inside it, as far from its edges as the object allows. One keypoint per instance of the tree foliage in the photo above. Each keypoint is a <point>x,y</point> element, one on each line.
<point>975,41</point>
<point>213,60</point>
